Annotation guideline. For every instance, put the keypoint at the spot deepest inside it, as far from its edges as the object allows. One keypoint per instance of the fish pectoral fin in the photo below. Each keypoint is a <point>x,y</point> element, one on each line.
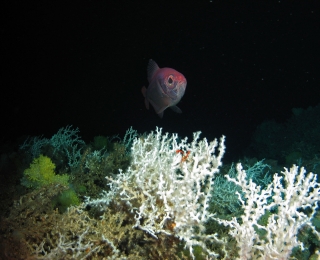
<point>176,109</point>
<point>144,93</point>
<point>146,102</point>
<point>160,114</point>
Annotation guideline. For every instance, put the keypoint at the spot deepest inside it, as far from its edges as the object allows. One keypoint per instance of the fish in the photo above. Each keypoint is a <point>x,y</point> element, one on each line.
<point>166,88</point>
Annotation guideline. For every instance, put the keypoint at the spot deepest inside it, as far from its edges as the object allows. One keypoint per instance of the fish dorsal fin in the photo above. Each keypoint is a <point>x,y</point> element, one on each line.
<point>152,68</point>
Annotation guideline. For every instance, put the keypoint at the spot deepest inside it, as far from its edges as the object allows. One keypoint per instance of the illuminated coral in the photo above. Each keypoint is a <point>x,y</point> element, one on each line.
<point>169,192</point>
<point>41,173</point>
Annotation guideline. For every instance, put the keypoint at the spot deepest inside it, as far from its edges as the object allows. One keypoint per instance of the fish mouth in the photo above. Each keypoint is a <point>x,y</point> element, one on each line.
<point>173,94</point>
<point>178,92</point>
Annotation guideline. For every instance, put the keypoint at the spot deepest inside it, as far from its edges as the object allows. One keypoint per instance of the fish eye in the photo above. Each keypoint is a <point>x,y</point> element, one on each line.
<point>170,80</point>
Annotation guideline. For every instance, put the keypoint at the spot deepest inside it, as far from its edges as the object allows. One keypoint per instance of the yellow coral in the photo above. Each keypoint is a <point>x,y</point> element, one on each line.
<point>41,173</point>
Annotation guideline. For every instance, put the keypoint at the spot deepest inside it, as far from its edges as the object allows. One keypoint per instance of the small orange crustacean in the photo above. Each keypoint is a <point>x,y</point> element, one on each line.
<point>184,155</point>
<point>179,151</point>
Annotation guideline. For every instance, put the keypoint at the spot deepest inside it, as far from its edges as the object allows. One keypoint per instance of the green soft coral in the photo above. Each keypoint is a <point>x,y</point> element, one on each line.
<point>66,199</point>
<point>41,173</point>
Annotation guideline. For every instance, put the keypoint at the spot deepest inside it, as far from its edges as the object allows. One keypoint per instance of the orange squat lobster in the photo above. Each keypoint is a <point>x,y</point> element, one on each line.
<point>184,156</point>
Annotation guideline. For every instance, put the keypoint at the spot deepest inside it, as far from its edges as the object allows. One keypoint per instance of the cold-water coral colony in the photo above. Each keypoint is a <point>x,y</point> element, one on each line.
<point>161,197</point>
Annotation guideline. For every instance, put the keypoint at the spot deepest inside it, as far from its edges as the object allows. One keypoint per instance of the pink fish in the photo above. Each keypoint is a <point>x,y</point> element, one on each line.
<point>166,88</point>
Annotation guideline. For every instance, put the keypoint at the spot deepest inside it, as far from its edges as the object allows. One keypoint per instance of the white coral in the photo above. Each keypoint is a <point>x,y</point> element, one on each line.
<point>290,196</point>
<point>168,185</point>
